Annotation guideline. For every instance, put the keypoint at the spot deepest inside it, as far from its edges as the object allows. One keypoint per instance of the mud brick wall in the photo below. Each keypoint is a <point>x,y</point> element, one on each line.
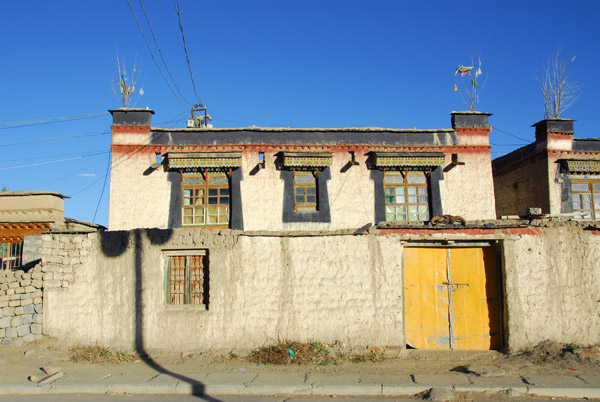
<point>20,305</point>
<point>61,255</point>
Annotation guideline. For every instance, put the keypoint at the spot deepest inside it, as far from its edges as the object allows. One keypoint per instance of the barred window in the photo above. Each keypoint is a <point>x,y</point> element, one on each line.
<point>406,196</point>
<point>186,275</point>
<point>11,255</point>
<point>205,200</point>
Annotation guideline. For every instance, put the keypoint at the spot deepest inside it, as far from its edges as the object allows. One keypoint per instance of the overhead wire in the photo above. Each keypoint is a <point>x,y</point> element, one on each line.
<point>103,187</point>
<point>30,123</point>
<point>11,144</point>
<point>182,100</point>
<point>512,135</point>
<point>176,3</point>
<point>69,175</point>
<point>160,51</point>
<point>84,155</point>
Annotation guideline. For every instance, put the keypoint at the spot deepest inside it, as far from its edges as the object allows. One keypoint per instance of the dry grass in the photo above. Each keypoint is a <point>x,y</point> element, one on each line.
<point>100,354</point>
<point>303,353</point>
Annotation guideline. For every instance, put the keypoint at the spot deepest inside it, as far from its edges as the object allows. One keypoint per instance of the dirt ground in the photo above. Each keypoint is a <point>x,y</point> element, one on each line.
<point>19,362</point>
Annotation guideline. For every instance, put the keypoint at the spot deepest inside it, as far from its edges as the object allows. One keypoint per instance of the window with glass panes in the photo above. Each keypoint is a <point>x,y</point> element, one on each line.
<point>305,190</point>
<point>586,198</point>
<point>185,276</point>
<point>406,197</point>
<point>205,199</point>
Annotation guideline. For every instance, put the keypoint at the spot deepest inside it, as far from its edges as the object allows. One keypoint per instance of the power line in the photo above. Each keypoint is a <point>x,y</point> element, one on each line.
<point>12,144</point>
<point>103,187</point>
<point>512,135</point>
<point>83,155</point>
<point>176,2</point>
<point>50,162</point>
<point>183,101</point>
<point>69,175</point>
<point>30,123</point>
<point>159,50</point>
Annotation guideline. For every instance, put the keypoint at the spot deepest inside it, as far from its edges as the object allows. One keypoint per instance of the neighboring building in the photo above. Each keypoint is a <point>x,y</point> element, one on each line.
<point>26,214</point>
<point>296,178</point>
<point>557,173</point>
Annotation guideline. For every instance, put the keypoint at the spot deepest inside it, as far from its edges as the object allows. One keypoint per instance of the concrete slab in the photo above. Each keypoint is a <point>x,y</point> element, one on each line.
<point>590,379</point>
<point>402,389</point>
<point>441,380</point>
<point>566,392</point>
<point>386,379</point>
<point>346,389</point>
<point>554,381</point>
<point>279,383</point>
<point>333,378</point>
<point>507,381</point>
<point>229,378</point>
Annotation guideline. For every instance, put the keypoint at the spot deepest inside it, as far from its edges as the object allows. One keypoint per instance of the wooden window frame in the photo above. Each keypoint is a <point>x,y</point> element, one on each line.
<point>202,211</point>
<point>577,198</point>
<point>405,194</point>
<point>303,189</point>
<point>11,255</point>
<point>185,275</point>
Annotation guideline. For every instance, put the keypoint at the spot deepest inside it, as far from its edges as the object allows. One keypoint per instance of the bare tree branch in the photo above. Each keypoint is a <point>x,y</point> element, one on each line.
<point>558,91</point>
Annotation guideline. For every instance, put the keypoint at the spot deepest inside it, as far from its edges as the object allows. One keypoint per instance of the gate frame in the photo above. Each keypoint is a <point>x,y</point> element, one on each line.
<point>500,272</point>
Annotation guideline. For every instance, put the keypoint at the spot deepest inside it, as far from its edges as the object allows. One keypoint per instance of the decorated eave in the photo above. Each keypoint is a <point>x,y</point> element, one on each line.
<point>581,166</point>
<point>14,232</point>
<point>420,160</point>
<point>306,159</point>
<point>203,160</point>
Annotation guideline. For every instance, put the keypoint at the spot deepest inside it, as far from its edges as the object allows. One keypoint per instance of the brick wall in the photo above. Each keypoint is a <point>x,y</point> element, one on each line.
<point>20,305</point>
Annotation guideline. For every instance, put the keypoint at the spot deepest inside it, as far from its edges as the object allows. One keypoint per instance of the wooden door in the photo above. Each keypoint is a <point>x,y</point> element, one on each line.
<point>452,298</point>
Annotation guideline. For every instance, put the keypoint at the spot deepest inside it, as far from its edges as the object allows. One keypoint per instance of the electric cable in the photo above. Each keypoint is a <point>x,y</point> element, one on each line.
<point>160,51</point>
<point>30,123</point>
<point>176,3</point>
<point>69,175</point>
<point>11,144</point>
<point>183,101</point>
<point>512,135</point>
<point>103,187</point>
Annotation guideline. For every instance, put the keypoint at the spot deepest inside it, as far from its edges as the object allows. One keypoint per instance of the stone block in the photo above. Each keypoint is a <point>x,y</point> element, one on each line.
<point>35,293</point>
<point>4,298</point>
<point>48,276</point>
<point>1,314</point>
<point>3,303</point>
<point>25,296</point>
<point>10,333</point>
<point>29,289</point>
<point>15,321</point>
<point>26,318</point>
<point>37,318</point>
<point>36,283</point>
<point>2,333</point>
<point>13,285</point>
<point>19,310</point>
<point>15,297</point>
<point>8,311</point>
<point>52,283</point>
<point>14,303</point>
<point>25,282</point>
<point>36,276</point>
<point>26,302</point>
<point>10,292</point>
<point>67,277</point>
<point>26,276</point>
<point>37,300</point>
<point>3,286</point>
<point>65,284</point>
<point>19,290</point>
<point>29,338</point>
<point>30,309</point>
<point>24,329</point>
<point>18,273</point>
<point>5,322</point>
<point>38,307</point>
<point>36,329</point>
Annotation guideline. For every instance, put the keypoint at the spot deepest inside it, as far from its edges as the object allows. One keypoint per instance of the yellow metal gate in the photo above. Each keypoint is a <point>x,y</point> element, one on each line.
<point>452,298</point>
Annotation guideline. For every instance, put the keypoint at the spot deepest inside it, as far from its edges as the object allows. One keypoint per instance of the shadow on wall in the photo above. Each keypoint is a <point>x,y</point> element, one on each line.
<point>115,244</point>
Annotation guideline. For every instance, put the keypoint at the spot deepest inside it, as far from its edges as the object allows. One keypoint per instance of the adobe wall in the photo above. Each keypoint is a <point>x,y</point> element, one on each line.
<point>522,185</point>
<point>552,286</point>
<point>262,288</point>
<point>109,288</point>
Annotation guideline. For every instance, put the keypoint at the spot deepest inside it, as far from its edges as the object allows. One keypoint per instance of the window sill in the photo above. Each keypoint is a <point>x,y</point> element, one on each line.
<point>185,307</point>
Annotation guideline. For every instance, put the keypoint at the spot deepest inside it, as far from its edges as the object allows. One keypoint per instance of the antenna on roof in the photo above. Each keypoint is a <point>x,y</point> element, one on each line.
<point>200,121</point>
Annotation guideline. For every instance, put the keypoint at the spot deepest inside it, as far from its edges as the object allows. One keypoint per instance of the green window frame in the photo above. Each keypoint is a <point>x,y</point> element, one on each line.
<point>406,195</point>
<point>205,200</point>
<point>185,275</point>
<point>586,197</point>
<point>305,190</point>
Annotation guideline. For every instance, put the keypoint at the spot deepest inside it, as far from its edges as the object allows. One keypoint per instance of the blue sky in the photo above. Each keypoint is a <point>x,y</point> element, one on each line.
<point>273,63</point>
